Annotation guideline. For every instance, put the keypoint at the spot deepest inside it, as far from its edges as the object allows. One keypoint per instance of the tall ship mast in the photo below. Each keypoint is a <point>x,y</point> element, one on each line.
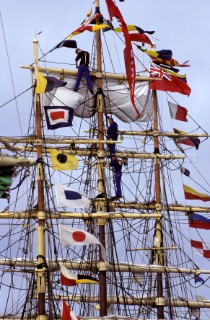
<point>103,207</point>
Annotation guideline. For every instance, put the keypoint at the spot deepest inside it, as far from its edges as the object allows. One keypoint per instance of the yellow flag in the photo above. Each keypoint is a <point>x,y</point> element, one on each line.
<point>41,83</point>
<point>63,161</point>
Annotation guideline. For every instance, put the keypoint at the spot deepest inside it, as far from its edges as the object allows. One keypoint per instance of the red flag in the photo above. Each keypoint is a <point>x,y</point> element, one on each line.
<point>128,51</point>
<point>191,194</point>
<point>169,82</point>
<point>140,38</point>
<point>67,313</point>
<point>177,112</point>
<point>202,248</point>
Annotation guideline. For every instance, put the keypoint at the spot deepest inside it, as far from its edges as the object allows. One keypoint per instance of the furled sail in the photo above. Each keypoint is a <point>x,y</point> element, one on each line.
<point>117,100</point>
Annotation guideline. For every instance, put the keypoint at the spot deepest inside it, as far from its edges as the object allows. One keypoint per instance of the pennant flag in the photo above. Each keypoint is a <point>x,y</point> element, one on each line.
<point>199,222</point>
<point>189,141</point>
<point>132,27</point>
<point>71,236</point>
<point>191,194</point>
<point>140,36</point>
<point>165,57</point>
<point>71,279</point>
<point>67,44</point>
<point>66,197</point>
<point>58,117</point>
<point>67,313</point>
<point>185,171</point>
<point>46,84</point>
<point>169,82</point>
<point>128,51</point>
<point>199,279</point>
<point>177,112</point>
<point>6,173</point>
<point>63,161</point>
<point>201,248</point>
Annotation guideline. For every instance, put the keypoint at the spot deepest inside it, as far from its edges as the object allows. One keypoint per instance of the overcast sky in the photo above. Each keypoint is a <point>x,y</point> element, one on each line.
<point>182,26</point>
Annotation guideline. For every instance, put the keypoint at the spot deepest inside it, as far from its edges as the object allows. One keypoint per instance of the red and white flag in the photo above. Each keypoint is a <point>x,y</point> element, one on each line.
<point>67,313</point>
<point>200,248</point>
<point>71,236</point>
<point>177,112</point>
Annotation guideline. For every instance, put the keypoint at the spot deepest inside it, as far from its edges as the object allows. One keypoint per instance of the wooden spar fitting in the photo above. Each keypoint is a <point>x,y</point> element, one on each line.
<point>101,169</point>
<point>40,272</point>
<point>113,267</point>
<point>158,237</point>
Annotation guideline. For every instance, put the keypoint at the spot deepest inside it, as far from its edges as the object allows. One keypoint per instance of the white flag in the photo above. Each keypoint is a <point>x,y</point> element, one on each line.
<point>71,236</point>
<point>66,197</point>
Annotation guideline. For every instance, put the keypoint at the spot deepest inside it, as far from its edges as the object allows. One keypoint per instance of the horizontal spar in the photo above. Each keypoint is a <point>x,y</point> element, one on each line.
<point>94,266</point>
<point>92,152</point>
<point>79,215</point>
<point>147,301</point>
<point>100,75</point>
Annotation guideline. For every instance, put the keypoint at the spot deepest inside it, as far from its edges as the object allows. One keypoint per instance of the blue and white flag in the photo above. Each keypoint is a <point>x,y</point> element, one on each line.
<point>66,197</point>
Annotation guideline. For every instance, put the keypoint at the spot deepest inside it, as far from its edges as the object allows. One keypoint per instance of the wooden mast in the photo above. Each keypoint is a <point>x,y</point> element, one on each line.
<point>158,238</point>
<point>101,176</point>
<point>41,268</point>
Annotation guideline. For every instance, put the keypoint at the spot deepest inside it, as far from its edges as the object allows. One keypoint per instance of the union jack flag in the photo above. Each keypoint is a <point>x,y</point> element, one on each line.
<point>157,71</point>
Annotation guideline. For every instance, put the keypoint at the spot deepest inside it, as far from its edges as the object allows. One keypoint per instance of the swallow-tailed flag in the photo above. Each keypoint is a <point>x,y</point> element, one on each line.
<point>71,279</point>
<point>46,84</point>
<point>71,236</point>
<point>66,197</point>
<point>200,248</point>
<point>62,161</point>
<point>198,279</point>
<point>191,194</point>
<point>164,57</point>
<point>169,82</point>
<point>128,51</point>
<point>67,313</point>
<point>138,36</point>
<point>58,117</point>
<point>199,222</point>
<point>185,171</point>
<point>177,112</point>
<point>189,141</point>
<point>67,44</point>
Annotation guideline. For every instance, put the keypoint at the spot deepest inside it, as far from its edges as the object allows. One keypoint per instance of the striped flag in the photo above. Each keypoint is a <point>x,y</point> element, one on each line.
<point>200,248</point>
<point>191,194</point>
<point>198,221</point>
<point>72,279</point>
<point>189,141</point>
<point>177,112</point>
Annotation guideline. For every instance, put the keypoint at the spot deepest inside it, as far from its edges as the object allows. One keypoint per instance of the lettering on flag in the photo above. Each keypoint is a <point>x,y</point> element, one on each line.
<point>66,197</point>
